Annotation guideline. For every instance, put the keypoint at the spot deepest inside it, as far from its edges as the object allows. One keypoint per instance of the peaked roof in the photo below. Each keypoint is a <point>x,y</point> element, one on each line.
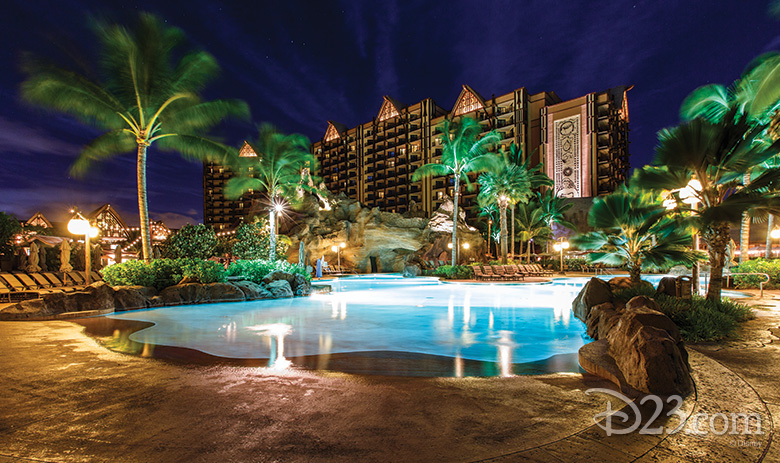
<point>246,151</point>
<point>335,130</point>
<point>39,220</point>
<point>108,210</point>
<point>390,108</point>
<point>468,100</point>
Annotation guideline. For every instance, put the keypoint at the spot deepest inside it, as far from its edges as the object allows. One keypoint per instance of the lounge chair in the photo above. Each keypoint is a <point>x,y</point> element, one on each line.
<point>31,284</point>
<point>41,280</point>
<point>541,270</point>
<point>478,275</point>
<point>498,271</point>
<point>518,271</point>
<point>511,273</point>
<point>14,289</point>
<point>60,284</point>
<point>488,272</point>
<point>77,278</point>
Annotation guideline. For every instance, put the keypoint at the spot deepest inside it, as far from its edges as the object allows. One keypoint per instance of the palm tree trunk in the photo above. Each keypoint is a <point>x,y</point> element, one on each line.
<point>528,256</point>
<point>744,233</point>
<point>272,235</point>
<point>770,225</point>
<point>635,274</point>
<point>717,239</point>
<point>143,208</point>
<point>504,233</point>
<point>513,231</point>
<point>455,197</point>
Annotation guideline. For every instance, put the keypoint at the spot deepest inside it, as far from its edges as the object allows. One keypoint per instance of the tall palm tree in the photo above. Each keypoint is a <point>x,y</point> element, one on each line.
<point>632,229</point>
<point>488,221</point>
<point>464,152</point>
<point>509,183</point>
<point>756,95</point>
<point>717,155</point>
<point>145,95</point>
<point>532,225</point>
<point>274,168</point>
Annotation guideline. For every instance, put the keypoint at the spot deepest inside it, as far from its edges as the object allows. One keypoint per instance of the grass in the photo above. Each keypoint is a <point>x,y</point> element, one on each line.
<point>698,319</point>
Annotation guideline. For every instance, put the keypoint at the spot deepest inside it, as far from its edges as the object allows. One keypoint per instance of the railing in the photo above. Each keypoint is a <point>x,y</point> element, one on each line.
<point>760,285</point>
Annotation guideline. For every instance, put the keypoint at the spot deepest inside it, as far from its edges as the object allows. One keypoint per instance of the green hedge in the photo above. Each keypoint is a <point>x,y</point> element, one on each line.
<point>770,267</point>
<point>698,319</point>
<point>161,273</point>
<point>255,270</point>
<point>454,272</point>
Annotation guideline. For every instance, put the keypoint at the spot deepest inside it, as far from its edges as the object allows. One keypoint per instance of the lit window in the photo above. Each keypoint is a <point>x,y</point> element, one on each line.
<point>402,150</point>
<point>380,194</point>
<point>466,103</point>
<point>415,148</point>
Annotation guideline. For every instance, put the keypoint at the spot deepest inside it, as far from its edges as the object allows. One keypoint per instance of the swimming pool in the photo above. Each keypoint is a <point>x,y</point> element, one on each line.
<point>386,324</point>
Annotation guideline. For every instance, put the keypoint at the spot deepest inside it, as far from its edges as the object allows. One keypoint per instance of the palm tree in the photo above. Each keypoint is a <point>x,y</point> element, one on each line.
<point>143,97</point>
<point>464,152</point>
<point>717,155</point>
<point>632,229</point>
<point>488,221</point>
<point>274,166</point>
<point>756,94</point>
<point>532,225</point>
<point>509,182</point>
<point>553,209</point>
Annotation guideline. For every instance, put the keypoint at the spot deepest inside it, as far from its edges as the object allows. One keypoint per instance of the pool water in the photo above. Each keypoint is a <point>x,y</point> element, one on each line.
<point>386,324</point>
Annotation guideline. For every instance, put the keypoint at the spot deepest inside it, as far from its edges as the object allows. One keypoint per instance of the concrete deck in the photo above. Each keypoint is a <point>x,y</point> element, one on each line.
<point>67,399</point>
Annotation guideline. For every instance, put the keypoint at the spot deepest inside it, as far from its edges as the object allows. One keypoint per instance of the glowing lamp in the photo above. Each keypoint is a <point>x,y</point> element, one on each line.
<point>342,245</point>
<point>688,194</point>
<point>449,245</point>
<point>79,227</point>
<point>775,234</point>
<point>465,245</point>
<point>334,248</point>
<point>279,208</point>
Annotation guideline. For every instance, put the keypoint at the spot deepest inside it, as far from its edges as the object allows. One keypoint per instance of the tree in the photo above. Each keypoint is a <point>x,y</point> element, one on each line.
<point>464,153</point>
<point>717,155</point>
<point>253,240</point>
<point>9,228</point>
<point>275,168</point>
<point>756,96</point>
<point>532,225</point>
<point>632,229</point>
<point>509,182</point>
<point>192,241</point>
<point>145,95</point>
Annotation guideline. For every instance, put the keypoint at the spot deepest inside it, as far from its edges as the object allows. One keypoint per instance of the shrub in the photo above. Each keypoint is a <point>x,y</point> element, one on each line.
<point>699,319</point>
<point>192,241</point>
<point>161,273</point>
<point>454,272</point>
<point>256,270</point>
<point>770,267</point>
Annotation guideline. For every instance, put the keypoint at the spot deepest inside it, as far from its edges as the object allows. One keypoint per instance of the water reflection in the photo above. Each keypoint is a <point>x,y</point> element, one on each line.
<point>276,333</point>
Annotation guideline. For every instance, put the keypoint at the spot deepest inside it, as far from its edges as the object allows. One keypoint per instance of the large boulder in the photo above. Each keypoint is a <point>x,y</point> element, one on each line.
<point>223,292</point>
<point>648,350</point>
<point>189,293</point>
<point>279,275</point>
<point>300,285</point>
<point>132,297</point>
<point>668,286</point>
<point>411,271</point>
<point>595,292</point>
<point>279,289</point>
<point>253,290</point>
<point>97,296</point>
<point>601,319</point>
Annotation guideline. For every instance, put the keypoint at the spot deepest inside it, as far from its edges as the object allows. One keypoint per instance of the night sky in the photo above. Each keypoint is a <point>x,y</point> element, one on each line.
<point>299,64</point>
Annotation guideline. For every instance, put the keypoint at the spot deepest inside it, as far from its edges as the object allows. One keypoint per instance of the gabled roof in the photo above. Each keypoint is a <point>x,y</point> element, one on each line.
<point>468,100</point>
<point>335,130</point>
<point>390,108</point>
<point>39,220</point>
<point>246,151</point>
<point>106,211</point>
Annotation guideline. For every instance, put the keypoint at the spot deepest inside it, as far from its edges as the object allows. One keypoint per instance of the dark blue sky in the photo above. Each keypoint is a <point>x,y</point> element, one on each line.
<point>299,64</point>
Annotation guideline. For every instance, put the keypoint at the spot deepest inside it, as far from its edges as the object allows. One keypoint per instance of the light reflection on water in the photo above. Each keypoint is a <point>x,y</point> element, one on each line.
<point>501,324</point>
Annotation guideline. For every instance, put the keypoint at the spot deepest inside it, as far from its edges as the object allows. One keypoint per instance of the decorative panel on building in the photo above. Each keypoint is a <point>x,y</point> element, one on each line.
<point>566,156</point>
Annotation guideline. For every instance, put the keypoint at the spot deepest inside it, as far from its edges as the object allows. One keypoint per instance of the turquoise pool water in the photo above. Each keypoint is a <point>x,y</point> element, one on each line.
<point>386,324</point>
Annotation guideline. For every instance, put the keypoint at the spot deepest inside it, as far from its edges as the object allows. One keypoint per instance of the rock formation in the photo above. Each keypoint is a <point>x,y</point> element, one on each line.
<point>637,347</point>
<point>101,297</point>
<point>394,241</point>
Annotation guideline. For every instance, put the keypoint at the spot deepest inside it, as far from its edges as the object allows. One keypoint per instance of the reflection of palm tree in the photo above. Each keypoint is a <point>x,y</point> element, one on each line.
<point>632,230</point>
<point>275,169</point>
<point>717,155</point>
<point>464,153</point>
<point>144,99</point>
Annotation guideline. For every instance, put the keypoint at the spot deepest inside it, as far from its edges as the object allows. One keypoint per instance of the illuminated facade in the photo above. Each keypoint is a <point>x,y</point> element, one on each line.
<point>219,212</point>
<point>583,142</point>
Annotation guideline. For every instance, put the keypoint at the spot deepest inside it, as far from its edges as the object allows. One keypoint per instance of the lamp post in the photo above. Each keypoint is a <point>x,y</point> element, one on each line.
<point>79,225</point>
<point>337,250</point>
<point>490,224</point>
<point>689,195</point>
<point>560,246</point>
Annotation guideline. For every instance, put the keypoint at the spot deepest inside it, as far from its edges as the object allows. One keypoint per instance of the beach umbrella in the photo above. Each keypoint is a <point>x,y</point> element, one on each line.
<point>65,257</point>
<point>301,255</point>
<point>42,254</point>
<point>118,254</point>
<point>32,264</point>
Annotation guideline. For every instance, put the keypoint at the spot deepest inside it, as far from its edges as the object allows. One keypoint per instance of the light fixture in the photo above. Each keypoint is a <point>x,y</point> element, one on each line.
<point>79,225</point>
<point>775,234</point>
<point>465,245</point>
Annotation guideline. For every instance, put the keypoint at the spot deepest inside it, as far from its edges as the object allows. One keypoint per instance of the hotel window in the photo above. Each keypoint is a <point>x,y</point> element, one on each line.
<point>221,170</point>
<point>415,148</point>
<point>380,194</point>
<point>439,194</point>
<point>391,163</point>
<point>402,150</point>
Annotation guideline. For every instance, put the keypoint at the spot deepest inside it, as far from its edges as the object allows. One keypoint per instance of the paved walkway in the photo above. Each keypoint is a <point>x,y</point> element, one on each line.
<point>67,399</point>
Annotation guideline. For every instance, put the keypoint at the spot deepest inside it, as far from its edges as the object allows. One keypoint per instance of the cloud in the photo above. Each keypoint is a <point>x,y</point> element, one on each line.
<point>21,138</point>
